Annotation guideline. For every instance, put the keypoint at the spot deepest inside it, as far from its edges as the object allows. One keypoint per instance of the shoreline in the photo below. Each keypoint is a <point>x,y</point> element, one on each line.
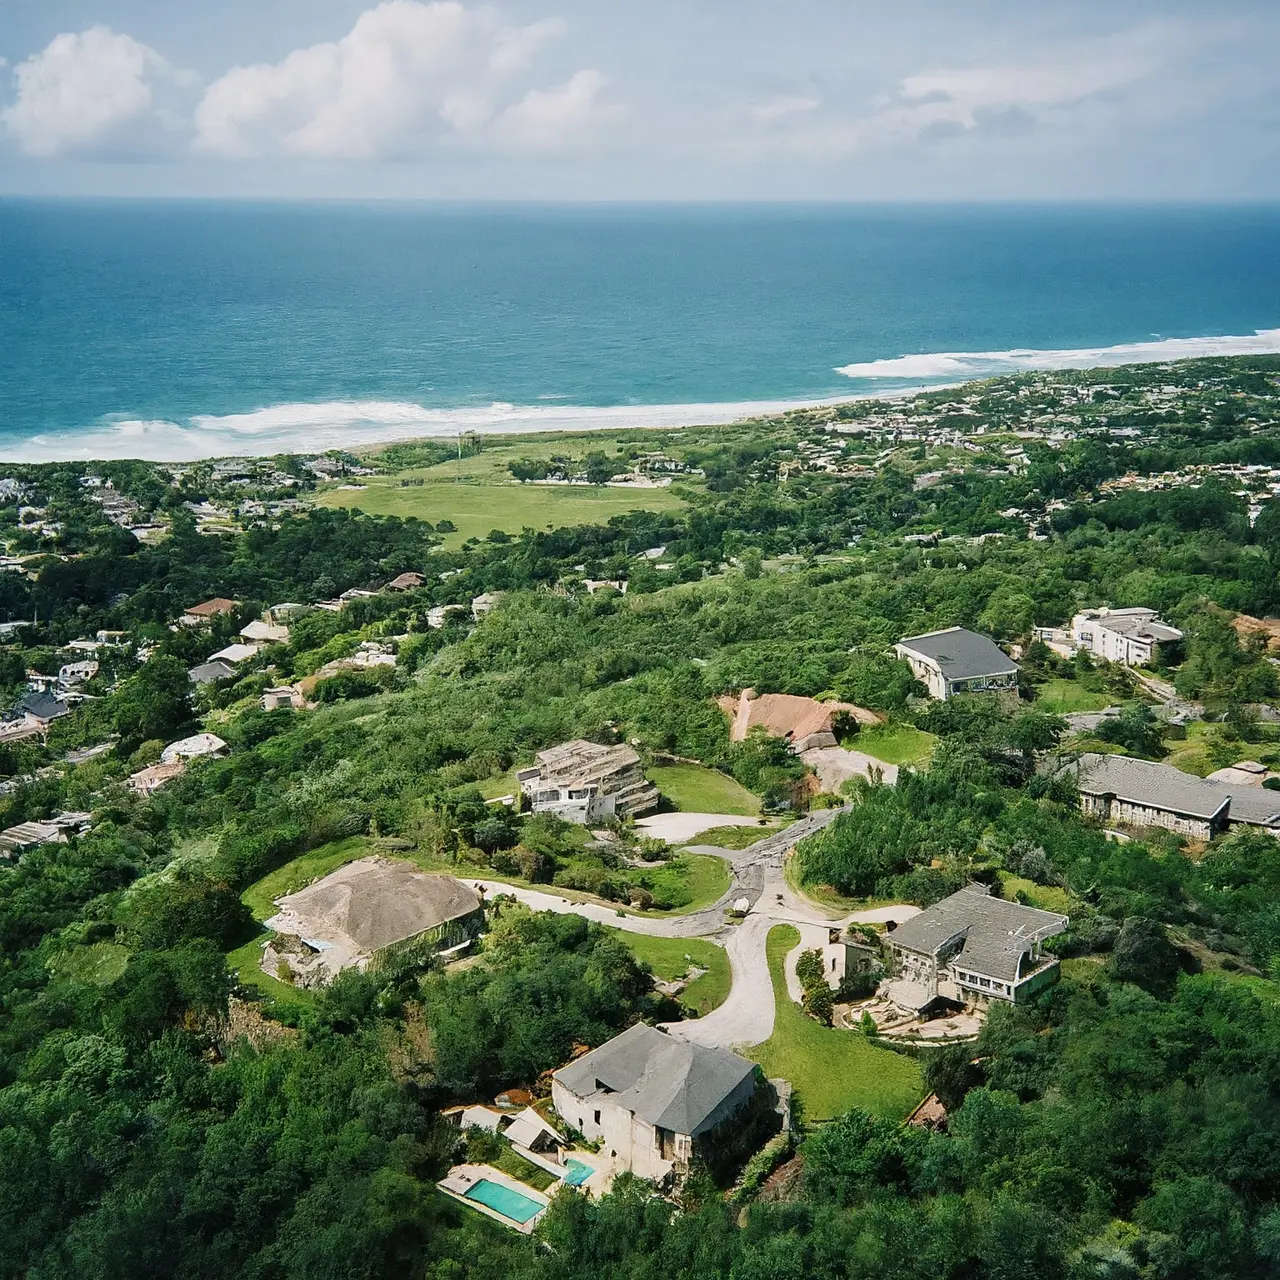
<point>352,426</point>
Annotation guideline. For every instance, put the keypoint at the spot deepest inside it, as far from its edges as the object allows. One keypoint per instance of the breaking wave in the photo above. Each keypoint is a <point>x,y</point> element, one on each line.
<point>958,365</point>
<point>354,424</point>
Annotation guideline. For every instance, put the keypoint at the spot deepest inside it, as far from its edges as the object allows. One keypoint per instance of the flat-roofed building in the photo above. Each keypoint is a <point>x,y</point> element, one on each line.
<point>583,781</point>
<point>1131,637</point>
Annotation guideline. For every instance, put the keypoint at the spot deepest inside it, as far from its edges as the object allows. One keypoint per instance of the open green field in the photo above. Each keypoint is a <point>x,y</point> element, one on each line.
<point>705,876</point>
<point>671,958</point>
<point>694,788</point>
<point>1190,755</point>
<point>1061,697</point>
<point>831,1070</point>
<point>895,744</point>
<point>479,494</point>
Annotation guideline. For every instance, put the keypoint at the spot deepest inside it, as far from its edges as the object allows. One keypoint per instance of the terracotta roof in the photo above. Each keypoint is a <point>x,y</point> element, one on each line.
<point>785,715</point>
<point>219,604</point>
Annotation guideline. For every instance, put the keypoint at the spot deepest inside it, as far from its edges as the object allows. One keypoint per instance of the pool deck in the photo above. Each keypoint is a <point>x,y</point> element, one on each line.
<point>462,1177</point>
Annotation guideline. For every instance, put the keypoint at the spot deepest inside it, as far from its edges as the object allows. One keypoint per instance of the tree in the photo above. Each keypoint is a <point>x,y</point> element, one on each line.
<point>154,703</point>
<point>1144,956</point>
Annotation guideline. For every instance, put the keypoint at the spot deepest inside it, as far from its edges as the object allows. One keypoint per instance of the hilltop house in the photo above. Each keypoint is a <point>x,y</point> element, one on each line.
<point>955,661</point>
<point>649,1098</point>
<point>200,744</point>
<point>211,671</point>
<point>1142,793</point>
<point>154,776</point>
<point>1131,637</point>
<point>283,697</point>
<point>582,781</point>
<point>804,722</point>
<point>40,710</point>
<point>405,582</point>
<point>200,614</point>
<point>260,631</point>
<point>971,948</point>
<point>365,911</point>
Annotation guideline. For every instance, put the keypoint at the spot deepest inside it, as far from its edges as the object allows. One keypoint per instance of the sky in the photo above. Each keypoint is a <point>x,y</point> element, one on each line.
<point>642,99</point>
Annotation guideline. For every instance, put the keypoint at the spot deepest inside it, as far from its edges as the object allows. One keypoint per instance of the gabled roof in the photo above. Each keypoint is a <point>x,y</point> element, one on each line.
<point>209,608</point>
<point>996,934</point>
<point>42,706</point>
<point>208,672</point>
<point>234,653</point>
<point>669,1083</point>
<point>1151,785</point>
<point>961,654</point>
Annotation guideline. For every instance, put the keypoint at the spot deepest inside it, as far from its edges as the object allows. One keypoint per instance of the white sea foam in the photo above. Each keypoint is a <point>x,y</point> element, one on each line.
<point>353,424</point>
<point>956,365</point>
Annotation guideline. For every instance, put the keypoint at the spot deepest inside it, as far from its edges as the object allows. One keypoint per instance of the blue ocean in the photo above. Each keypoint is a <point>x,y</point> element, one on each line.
<point>186,329</point>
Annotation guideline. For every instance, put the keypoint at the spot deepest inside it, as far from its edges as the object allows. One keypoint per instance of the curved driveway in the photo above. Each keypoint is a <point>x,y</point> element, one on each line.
<point>746,1017</point>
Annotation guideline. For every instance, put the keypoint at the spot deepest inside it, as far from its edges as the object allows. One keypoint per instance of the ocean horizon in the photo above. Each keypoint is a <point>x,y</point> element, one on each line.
<point>174,330</point>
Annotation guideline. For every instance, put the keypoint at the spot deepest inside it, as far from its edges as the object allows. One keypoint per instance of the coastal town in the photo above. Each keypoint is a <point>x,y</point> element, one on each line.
<point>925,712</point>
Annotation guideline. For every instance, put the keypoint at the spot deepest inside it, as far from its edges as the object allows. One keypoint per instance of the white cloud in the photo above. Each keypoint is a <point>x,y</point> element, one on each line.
<point>1036,87</point>
<point>92,93</point>
<point>547,119</point>
<point>406,77</point>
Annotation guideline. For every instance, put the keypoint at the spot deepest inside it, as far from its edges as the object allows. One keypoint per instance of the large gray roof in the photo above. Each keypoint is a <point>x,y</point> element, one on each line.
<point>996,933</point>
<point>961,654</point>
<point>1152,785</point>
<point>667,1082</point>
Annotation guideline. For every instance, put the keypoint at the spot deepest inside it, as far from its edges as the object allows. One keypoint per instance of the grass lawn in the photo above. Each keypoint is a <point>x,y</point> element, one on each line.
<point>696,789</point>
<point>301,871</point>
<point>831,1070</point>
<point>479,495</point>
<point>1045,896</point>
<point>1189,754</point>
<point>100,963</point>
<point>515,1165</point>
<point>705,875</point>
<point>1061,697</point>
<point>671,958</point>
<point>504,784</point>
<point>734,837</point>
<point>895,744</point>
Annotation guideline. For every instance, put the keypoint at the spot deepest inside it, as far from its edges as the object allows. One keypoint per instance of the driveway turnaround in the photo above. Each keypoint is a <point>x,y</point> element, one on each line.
<point>746,1017</point>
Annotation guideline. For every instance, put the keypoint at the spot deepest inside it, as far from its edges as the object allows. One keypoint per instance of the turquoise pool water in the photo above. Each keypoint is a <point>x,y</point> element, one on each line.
<point>511,1204</point>
<point>578,1172</point>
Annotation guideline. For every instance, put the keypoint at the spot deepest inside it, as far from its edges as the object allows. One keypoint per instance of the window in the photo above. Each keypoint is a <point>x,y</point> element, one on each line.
<point>597,1116</point>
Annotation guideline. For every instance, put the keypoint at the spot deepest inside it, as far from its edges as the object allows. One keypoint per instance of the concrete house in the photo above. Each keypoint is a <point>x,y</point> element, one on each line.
<point>649,1098</point>
<point>367,911</point>
<point>971,948</point>
<point>199,744</point>
<point>40,710</point>
<point>211,671</point>
<point>200,614</point>
<point>1131,637</point>
<point>582,781</point>
<point>1142,793</point>
<point>955,661</point>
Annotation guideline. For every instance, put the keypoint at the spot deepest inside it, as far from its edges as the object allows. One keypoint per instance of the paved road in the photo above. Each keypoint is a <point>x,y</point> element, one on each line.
<point>747,1015</point>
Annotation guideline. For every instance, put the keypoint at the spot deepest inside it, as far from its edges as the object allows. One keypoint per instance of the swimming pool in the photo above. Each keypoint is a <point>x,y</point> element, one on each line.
<point>578,1172</point>
<point>511,1204</point>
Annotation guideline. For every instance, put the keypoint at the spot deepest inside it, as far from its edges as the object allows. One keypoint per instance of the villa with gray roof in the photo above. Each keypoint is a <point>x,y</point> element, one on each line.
<point>648,1098</point>
<point>955,661</point>
<point>1142,793</point>
<point>971,948</point>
